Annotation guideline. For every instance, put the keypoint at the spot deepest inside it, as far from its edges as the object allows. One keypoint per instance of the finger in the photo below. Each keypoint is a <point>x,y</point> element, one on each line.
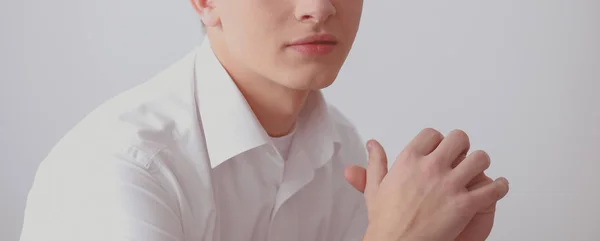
<point>485,196</point>
<point>478,182</point>
<point>376,167</point>
<point>467,170</point>
<point>425,142</point>
<point>356,176</point>
<point>455,144</point>
<point>458,160</point>
<point>491,209</point>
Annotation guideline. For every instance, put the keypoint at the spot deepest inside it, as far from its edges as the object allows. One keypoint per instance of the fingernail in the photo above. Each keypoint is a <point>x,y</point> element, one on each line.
<point>370,145</point>
<point>504,181</point>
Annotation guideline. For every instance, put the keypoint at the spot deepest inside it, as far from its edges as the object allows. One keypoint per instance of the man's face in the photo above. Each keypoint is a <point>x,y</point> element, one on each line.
<point>300,44</point>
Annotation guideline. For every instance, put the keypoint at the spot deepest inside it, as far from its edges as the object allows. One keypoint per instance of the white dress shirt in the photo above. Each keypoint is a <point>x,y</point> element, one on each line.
<point>182,157</point>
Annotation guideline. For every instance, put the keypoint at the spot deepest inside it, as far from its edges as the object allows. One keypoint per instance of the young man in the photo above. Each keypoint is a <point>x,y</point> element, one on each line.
<point>236,142</point>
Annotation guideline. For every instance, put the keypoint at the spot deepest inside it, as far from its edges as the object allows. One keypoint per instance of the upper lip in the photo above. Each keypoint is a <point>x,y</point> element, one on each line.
<point>316,39</point>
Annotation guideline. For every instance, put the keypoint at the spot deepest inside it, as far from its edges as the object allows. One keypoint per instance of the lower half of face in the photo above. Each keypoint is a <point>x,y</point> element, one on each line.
<point>271,39</point>
<point>303,66</point>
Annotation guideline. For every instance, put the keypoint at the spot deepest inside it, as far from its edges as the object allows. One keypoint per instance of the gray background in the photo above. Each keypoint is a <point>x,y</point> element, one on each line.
<point>521,76</point>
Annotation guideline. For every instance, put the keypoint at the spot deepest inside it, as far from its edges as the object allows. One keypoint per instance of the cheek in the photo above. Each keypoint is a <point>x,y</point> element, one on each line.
<point>253,16</point>
<point>254,25</point>
<point>350,14</point>
<point>255,32</point>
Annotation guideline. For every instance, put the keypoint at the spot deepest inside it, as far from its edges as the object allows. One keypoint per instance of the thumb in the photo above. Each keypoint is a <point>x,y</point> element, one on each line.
<point>377,166</point>
<point>356,176</point>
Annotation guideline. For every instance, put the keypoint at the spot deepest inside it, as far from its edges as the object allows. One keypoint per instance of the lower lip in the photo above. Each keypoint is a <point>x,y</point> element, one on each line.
<point>314,49</point>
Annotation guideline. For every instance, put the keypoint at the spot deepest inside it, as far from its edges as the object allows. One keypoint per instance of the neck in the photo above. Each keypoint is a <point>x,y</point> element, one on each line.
<point>276,107</point>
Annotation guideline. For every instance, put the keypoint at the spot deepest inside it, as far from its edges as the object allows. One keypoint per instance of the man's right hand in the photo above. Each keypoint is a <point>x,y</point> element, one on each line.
<point>425,196</point>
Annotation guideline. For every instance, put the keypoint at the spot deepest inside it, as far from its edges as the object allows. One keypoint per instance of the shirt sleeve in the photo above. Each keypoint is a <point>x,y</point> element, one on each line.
<point>357,219</point>
<point>357,225</point>
<point>99,199</point>
<point>350,216</point>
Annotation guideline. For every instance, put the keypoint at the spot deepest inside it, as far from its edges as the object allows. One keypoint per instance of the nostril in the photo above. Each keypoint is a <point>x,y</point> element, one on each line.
<point>306,17</point>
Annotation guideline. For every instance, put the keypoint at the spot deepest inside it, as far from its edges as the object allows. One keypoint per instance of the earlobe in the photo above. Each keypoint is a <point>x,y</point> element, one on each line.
<point>206,10</point>
<point>209,19</point>
<point>196,4</point>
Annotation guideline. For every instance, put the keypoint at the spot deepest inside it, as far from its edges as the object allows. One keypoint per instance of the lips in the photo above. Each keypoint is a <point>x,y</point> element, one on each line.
<point>316,39</point>
<point>320,44</point>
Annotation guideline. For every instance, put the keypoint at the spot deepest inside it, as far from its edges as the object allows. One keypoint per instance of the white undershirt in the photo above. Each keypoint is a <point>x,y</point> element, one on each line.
<point>283,144</point>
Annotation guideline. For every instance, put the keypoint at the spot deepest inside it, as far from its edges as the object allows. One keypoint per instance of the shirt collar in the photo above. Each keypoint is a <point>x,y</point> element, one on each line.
<point>231,128</point>
<point>316,137</point>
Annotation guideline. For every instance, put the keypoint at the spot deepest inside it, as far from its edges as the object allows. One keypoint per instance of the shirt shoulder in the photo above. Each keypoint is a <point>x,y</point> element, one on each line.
<point>138,122</point>
<point>101,173</point>
<point>352,149</point>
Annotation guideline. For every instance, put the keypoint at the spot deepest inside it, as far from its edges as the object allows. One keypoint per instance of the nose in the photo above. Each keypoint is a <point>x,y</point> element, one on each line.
<point>314,11</point>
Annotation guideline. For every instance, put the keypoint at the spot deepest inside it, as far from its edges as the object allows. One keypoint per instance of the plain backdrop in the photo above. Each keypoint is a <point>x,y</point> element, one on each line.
<point>520,76</point>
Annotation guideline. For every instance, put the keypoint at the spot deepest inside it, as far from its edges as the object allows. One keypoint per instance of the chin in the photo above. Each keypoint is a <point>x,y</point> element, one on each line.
<point>311,77</point>
<point>310,82</point>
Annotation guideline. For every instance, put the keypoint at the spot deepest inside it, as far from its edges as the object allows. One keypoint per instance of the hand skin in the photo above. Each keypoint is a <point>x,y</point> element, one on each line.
<point>433,191</point>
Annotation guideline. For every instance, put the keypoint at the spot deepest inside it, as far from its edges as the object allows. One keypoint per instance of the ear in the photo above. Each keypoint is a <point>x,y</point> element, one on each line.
<point>206,10</point>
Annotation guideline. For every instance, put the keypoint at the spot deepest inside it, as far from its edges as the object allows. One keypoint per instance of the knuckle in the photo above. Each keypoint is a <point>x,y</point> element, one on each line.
<point>437,136</point>
<point>432,133</point>
<point>428,130</point>
<point>459,132</point>
<point>461,136</point>
<point>482,158</point>
<point>481,154</point>
<point>495,194</point>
